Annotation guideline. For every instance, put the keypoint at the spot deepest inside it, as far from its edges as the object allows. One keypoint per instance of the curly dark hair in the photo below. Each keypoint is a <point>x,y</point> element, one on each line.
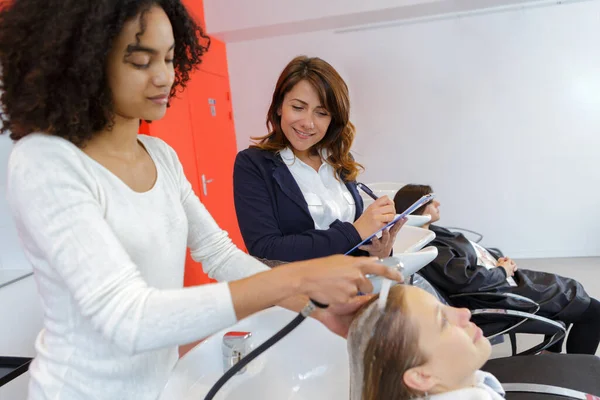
<point>53,55</point>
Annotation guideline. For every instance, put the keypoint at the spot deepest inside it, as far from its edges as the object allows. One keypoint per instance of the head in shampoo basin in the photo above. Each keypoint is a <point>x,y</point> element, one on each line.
<point>416,345</point>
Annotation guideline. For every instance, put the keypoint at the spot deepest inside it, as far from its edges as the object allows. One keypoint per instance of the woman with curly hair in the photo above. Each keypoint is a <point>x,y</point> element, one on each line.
<point>105,215</point>
<point>295,188</point>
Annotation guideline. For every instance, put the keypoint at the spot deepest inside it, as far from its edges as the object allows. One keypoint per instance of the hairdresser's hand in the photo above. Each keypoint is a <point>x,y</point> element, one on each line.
<point>337,318</point>
<point>509,265</point>
<point>382,247</point>
<point>375,217</point>
<point>338,279</point>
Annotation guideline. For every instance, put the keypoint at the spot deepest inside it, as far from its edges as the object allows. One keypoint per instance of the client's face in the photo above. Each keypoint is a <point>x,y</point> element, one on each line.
<point>433,209</point>
<point>454,347</point>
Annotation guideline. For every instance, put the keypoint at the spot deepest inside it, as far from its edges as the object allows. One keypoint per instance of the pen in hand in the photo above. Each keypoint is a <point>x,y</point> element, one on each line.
<point>366,189</point>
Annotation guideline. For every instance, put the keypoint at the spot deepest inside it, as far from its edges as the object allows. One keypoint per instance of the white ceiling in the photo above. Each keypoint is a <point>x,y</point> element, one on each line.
<point>241,20</point>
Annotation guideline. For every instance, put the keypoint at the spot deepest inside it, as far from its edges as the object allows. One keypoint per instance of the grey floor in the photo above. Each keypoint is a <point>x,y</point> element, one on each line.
<point>585,270</point>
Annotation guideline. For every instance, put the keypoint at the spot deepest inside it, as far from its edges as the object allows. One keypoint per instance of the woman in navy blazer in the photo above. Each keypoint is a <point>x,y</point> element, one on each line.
<point>310,136</point>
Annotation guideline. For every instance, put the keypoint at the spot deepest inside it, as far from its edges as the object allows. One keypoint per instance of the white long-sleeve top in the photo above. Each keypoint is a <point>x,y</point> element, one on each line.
<point>109,263</point>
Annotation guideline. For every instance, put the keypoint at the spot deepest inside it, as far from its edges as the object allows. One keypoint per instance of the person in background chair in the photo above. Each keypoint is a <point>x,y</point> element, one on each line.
<point>463,266</point>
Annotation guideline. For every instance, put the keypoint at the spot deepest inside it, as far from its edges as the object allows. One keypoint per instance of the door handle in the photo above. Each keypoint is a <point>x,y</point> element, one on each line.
<point>204,183</point>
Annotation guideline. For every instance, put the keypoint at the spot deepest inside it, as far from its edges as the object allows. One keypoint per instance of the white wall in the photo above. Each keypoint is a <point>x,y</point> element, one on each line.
<point>504,109</point>
<point>11,254</point>
<point>21,319</point>
<point>21,315</point>
<point>231,15</point>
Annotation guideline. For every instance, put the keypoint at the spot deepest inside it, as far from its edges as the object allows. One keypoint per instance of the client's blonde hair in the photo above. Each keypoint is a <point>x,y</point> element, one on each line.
<point>382,346</point>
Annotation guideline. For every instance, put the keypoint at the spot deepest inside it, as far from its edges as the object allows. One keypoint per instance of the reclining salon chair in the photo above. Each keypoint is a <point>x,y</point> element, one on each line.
<point>494,322</point>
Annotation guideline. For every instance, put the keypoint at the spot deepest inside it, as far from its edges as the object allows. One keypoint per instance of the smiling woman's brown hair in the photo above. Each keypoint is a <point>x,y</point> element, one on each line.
<point>333,94</point>
<point>53,55</point>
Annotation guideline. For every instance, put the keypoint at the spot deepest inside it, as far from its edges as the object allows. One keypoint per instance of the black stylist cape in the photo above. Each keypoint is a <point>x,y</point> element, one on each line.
<point>455,270</point>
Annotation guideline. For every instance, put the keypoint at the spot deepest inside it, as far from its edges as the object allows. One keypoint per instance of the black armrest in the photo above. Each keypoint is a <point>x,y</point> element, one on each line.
<point>13,367</point>
<point>547,389</point>
<point>559,328</point>
<point>573,371</point>
<point>535,306</point>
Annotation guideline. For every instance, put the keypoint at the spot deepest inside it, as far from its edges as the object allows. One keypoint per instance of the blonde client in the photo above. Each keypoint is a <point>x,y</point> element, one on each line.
<point>417,348</point>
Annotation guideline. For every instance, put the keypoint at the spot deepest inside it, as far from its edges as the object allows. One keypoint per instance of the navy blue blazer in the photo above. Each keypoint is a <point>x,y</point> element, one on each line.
<point>273,216</point>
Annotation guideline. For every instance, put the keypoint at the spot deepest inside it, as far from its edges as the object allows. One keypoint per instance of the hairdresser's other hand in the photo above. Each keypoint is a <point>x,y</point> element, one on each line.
<point>375,217</point>
<point>509,265</point>
<point>338,279</point>
<point>338,317</point>
<point>382,247</point>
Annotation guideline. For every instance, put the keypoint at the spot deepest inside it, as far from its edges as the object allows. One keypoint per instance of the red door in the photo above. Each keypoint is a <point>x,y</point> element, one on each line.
<point>215,145</point>
<point>175,128</point>
<point>215,59</point>
<point>199,126</point>
<point>196,10</point>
